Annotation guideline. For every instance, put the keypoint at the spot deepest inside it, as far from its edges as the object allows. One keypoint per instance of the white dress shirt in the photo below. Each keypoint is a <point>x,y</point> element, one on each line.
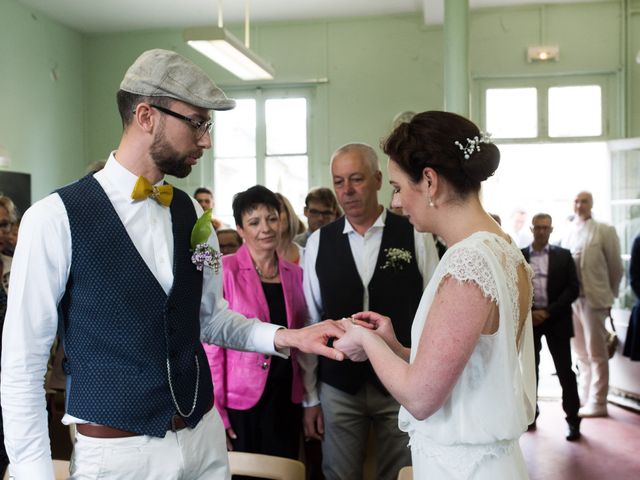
<point>39,276</point>
<point>365,249</point>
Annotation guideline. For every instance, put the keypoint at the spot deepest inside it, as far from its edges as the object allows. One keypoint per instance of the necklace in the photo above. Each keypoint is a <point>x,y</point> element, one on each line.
<point>267,277</point>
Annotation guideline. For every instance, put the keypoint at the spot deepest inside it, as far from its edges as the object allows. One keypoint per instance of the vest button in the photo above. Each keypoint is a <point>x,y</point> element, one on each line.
<point>265,365</point>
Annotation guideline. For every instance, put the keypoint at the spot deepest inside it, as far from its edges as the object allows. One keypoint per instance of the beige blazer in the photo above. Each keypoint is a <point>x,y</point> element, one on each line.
<point>600,265</point>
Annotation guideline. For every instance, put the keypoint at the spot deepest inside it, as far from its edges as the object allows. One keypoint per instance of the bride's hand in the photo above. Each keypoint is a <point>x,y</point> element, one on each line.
<point>351,342</point>
<point>345,323</point>
<point>382,326</point>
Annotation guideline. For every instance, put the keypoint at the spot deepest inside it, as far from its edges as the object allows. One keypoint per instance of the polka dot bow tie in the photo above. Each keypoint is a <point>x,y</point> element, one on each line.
<point>161,194</point>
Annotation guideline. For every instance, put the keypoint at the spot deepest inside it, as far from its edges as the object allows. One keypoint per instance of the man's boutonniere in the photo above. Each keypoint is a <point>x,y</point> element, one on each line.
<point>396,258</point>
<point>204,255</point>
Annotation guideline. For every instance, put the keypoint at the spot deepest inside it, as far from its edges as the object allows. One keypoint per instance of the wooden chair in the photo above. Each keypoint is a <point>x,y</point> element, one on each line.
<point>60,470</point>
<point>265,466</point>
<point>405,473</point>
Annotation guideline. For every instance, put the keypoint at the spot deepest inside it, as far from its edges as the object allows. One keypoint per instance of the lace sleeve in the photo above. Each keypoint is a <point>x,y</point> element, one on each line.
<point>469,265</point>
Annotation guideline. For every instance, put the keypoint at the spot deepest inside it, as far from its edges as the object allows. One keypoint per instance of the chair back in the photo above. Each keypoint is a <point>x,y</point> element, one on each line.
<point>265,466</point>
<point>405,473</point>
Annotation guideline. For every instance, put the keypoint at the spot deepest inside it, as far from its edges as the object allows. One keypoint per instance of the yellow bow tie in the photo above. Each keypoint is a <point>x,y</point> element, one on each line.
<point>161,194</point>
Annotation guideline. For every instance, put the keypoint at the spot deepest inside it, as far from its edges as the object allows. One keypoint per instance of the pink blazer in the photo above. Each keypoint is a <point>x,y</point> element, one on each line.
<point>239,378</point>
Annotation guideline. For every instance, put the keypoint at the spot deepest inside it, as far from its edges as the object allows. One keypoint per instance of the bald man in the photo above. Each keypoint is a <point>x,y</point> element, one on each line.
<point>596,251</point>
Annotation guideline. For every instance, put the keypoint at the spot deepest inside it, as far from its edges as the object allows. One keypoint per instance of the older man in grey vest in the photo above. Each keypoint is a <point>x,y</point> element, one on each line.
<point>368,259</point>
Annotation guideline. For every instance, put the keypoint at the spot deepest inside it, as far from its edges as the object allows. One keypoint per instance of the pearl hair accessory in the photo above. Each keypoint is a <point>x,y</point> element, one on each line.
<point>473,144</point>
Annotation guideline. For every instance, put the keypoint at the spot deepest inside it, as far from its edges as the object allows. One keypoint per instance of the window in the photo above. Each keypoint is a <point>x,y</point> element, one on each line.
<point>286,166</point>
<point>625,173</point>
<point>575,111</point>
<point>544,109</point>
<point>263,140</point>
<point>234,165</point>
<point>552,139</point>
<point>512,112</point>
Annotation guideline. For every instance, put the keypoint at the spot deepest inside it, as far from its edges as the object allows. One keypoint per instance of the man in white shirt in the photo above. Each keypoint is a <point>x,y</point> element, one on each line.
<point>107,261</point>
<point>370,259</point>
<point>596,252</point>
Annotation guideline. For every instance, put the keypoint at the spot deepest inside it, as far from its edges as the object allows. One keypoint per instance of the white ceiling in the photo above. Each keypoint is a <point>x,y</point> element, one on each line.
<point>94,16</point>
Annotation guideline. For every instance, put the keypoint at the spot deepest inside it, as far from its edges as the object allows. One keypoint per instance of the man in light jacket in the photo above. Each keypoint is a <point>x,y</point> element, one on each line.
<point>596,251</point>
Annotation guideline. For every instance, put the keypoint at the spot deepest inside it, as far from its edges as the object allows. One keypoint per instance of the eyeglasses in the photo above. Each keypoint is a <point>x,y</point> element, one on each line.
<point>320,213</point>
<point>200,126</point>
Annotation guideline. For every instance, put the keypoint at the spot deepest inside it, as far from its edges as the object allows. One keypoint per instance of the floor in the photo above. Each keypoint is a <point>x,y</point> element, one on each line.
<point>609,447</point>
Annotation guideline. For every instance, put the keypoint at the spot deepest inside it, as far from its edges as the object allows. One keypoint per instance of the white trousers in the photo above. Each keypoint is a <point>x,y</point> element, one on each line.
<point>189,454</point>
<point>590,346</point>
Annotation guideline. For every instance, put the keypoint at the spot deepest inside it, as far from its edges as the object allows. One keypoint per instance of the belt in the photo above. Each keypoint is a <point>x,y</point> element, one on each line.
<point>176,424</point>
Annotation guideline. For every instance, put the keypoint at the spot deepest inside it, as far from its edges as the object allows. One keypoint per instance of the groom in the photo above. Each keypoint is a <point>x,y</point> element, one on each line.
<point>110,256</point>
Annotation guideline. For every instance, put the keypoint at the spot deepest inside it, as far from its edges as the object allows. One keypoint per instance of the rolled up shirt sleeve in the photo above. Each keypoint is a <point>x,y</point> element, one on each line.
<point>223,327</point>
<point>312,295</point>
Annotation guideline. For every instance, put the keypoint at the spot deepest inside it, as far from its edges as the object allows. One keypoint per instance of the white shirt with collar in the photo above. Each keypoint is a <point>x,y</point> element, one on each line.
<point>365,249</point>
<point>39,276</point>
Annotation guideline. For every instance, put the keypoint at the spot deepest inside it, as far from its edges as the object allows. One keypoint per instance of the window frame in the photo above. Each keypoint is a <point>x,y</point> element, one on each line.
<point>261,95</point>
<point>606,82</point>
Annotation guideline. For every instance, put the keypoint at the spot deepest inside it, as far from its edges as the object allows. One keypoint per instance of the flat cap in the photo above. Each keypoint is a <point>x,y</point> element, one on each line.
<point>163,73</point>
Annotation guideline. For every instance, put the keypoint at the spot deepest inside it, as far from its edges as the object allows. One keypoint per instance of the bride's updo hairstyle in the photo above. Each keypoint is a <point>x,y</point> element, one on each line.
<point>450,144</point>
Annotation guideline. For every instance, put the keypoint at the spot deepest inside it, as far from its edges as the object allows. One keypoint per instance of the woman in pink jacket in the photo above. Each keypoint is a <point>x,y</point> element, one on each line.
<point>259,396</point>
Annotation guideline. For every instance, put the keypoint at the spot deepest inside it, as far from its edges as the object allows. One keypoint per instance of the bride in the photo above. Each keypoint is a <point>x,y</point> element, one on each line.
<point>467,385</point>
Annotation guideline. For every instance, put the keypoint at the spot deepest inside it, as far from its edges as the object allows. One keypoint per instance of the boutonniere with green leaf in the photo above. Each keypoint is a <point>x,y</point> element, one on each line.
<point>204,255</point>
<point>396,258</point>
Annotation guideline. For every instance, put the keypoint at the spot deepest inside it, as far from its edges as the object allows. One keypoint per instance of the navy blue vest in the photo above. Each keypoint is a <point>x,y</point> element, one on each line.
<point>121,331</point>
<point>392,292</point>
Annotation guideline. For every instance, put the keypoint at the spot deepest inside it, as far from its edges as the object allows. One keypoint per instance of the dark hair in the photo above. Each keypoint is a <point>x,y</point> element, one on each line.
<point>429,140</point>
<point>10,207</point>
<point>200,190</point>
<point>541,216</point>
<point>325,196</point>
<point>235,233</point>
<point>250,199</point>
<point>128,101</point>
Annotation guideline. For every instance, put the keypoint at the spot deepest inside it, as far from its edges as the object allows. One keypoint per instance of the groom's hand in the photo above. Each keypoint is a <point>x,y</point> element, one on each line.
<point>312,339</point>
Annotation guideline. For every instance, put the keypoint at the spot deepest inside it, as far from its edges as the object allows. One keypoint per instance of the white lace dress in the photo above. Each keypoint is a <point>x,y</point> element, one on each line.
<point>474,435</point>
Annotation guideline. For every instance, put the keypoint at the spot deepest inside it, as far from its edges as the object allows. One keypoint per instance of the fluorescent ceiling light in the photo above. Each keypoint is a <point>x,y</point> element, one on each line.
<point>230,53</point>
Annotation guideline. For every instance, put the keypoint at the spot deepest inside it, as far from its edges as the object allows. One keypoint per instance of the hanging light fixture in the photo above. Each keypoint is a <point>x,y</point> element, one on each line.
<point>226,50</point>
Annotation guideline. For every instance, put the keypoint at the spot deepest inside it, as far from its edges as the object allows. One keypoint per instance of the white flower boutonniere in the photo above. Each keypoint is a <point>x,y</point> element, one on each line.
<point>396,258</point>
<point>204,255</point>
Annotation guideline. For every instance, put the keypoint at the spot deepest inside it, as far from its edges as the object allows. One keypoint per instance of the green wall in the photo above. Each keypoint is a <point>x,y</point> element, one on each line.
<point>363,71</point>
<point>41,97</point>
